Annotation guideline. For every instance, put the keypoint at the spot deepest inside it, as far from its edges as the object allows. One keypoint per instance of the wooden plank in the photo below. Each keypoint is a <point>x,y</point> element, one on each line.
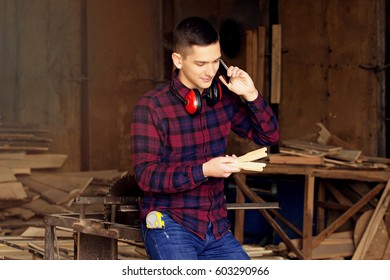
<point>332,248</point>
<point>12,191</point>
<point>308,210</point>
<point>283,159</point>
<point>24,214</point>
<point>254,155</point>
<point>339,162</point>
<point>36,161</point>
<point>254,55</point>
<point>308,145</point>
<point>342,199</point>
<point>6,175</point>
<point>276,63</point>
<point>42,207</point>
<point>261,42</point>
<point>67,183</point>
<point>12,155</point>
<point>347,155</point>
<point>35,186</point>
<point>249,52</point>
<point>239,217</point>
<point>56,196</point>
<point>320,210</point>
<point>249,166</point>
<point>302,153</point>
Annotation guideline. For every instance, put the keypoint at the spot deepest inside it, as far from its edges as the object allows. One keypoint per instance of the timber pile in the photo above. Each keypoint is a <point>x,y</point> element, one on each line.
<point>32,186</point>
<point>324,152</point>
<point>23,138</point>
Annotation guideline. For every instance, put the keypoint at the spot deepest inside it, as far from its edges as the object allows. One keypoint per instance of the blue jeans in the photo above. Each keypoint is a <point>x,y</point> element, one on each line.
<point>174,242</point>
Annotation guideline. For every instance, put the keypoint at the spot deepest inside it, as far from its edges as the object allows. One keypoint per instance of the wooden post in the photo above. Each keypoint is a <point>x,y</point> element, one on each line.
<point>240,217</point>
<point>308,216</point>
<point>276,65</point>
<point>249,52</point>
<point>260,59</point>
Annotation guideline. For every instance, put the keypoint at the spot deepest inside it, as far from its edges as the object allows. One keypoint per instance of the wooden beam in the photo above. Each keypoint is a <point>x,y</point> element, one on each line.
<point>261,37</point>
<point>249,52</point>
<point>287,159</point>
<point>344,217</point>
<point>276,63</point>
<point>308,210</point>
<point>239,217</point>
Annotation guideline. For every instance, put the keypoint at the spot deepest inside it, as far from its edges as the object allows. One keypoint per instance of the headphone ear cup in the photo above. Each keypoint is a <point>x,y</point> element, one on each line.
<point>193,102</point>
<point>214,94</point>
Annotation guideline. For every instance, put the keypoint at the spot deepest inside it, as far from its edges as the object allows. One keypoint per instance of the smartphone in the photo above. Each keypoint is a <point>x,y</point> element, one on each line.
<point>223,70</point>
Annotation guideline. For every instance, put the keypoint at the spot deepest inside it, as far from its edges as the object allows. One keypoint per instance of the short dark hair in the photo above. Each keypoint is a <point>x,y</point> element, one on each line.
<point>193,31</point>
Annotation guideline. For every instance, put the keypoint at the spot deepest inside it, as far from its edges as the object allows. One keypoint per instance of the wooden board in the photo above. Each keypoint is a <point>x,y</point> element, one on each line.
<point>12,191</point>
<point>347,155</point>
<point>24,214</point>
<point>250,166</point>
<point>66,183</point>
<point>288,159</point>
<point>56,196</point>
<point>276,63</point>
<point>42,207</point>
<point>36,161</point>
<point>6,175</point>
<point>307,145</point>
<point>254,155</point>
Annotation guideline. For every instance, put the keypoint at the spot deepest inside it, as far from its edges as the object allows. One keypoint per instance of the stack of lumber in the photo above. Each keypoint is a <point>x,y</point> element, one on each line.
<point>304,152</point>
<point>26,199</point>
<point>31,184</point>
<point>23,137</point>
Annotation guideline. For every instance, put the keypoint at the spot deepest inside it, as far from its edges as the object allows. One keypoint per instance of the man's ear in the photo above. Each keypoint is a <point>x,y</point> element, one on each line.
<point>177,60</point>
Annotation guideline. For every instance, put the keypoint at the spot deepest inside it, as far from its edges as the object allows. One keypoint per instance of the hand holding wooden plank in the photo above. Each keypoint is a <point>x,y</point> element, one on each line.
<point>245,162</point>
<point>254,155</point>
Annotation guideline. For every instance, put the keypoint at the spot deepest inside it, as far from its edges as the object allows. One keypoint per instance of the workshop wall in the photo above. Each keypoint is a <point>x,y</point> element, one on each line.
<point>329,48</point>
<point>40,70</point>
<point>76,68</point>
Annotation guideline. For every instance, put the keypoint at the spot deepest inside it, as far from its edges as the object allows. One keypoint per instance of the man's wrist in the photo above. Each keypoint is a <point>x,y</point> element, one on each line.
<point>251,96</point>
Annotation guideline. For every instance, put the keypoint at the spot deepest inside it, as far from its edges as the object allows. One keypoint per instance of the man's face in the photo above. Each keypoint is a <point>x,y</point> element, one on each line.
<point>199,66</point>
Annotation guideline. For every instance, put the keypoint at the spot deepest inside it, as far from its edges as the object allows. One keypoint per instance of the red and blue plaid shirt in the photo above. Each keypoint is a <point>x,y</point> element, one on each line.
<point>169,146</point>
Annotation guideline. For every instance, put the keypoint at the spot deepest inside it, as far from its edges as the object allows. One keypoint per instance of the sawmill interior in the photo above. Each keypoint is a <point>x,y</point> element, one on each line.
<point>71,72</point>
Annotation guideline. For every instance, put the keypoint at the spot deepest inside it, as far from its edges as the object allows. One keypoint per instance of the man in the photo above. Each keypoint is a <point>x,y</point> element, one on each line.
<point>179,135</point>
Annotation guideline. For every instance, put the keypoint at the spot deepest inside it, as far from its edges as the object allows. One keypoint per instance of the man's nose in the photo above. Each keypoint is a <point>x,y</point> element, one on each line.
<point>211,69</point>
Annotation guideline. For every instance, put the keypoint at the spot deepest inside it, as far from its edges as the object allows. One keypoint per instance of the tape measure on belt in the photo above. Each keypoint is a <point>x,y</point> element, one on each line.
<point>155,220</point>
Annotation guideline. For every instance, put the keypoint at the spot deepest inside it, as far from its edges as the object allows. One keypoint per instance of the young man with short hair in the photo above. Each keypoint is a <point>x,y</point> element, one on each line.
<point>179,135</point>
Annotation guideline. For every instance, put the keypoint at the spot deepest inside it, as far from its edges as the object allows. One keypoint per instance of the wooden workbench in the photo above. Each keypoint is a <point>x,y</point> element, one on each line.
<point>311,175</point>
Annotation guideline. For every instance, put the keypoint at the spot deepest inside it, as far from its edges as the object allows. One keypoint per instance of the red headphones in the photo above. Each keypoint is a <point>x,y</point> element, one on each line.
<point>193,99</point>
